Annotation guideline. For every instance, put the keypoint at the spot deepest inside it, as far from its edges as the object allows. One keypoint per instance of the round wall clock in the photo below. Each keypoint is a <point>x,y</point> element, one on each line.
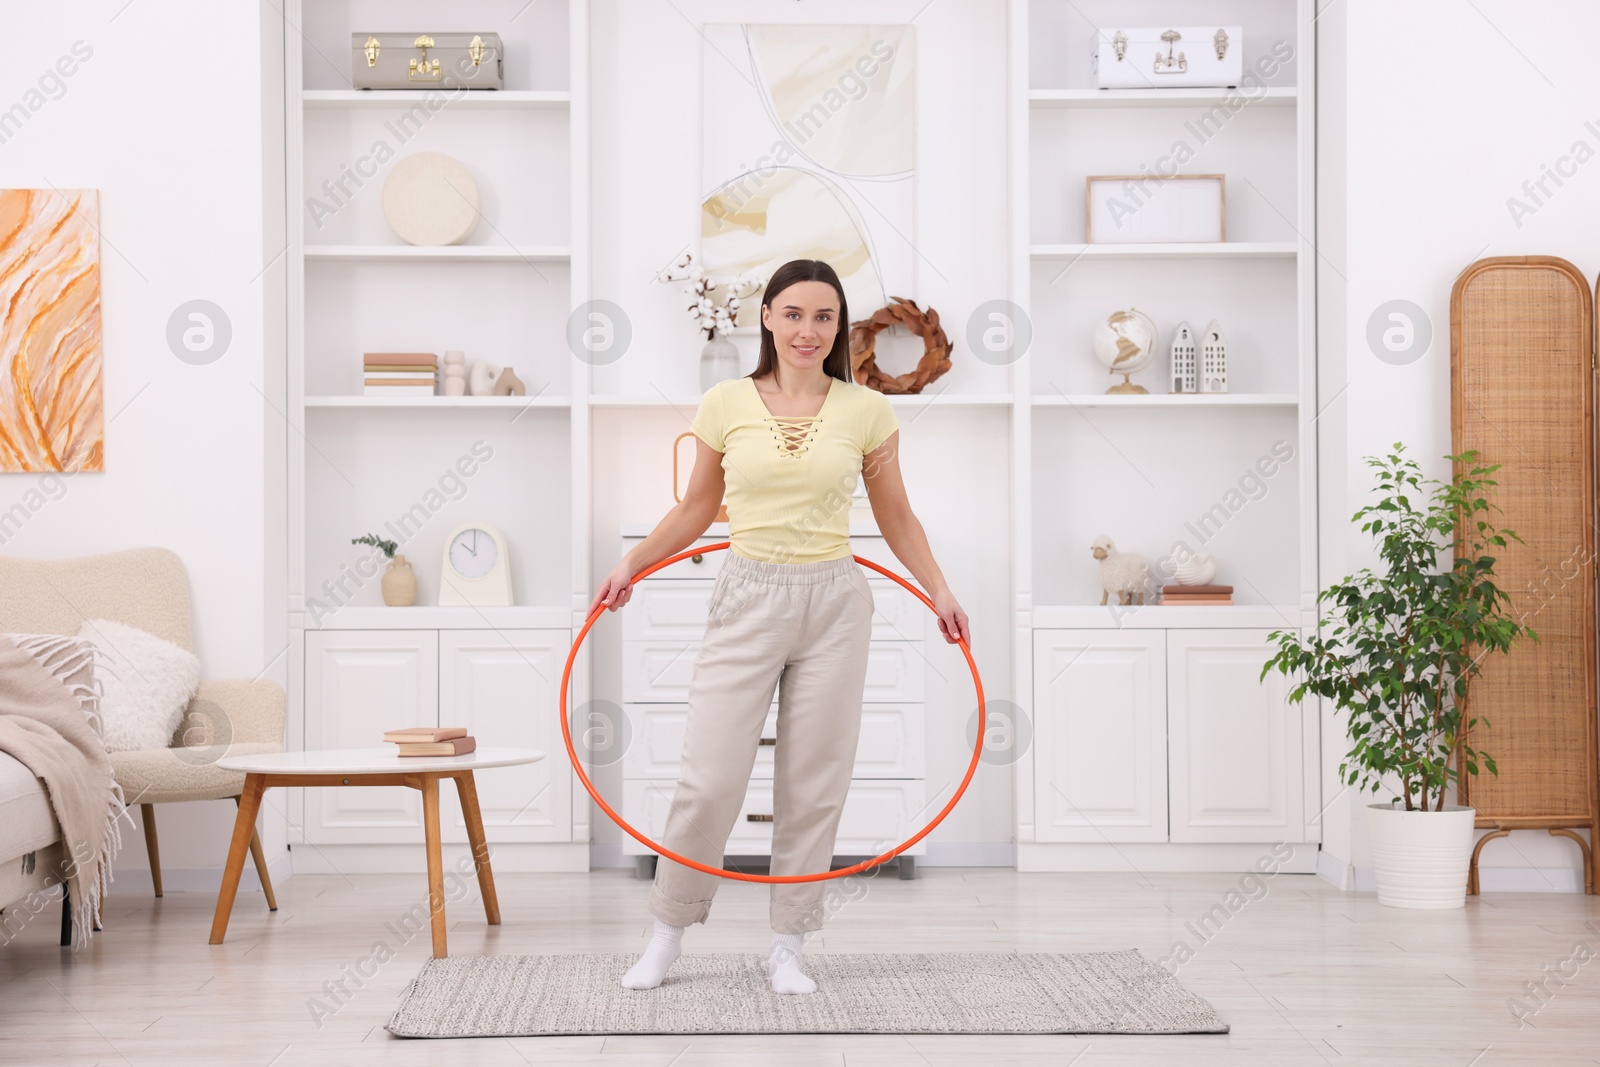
<point>477,567</point>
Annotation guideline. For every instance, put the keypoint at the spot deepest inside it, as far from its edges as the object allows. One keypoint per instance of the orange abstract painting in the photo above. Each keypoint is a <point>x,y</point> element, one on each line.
<point>51,418</point>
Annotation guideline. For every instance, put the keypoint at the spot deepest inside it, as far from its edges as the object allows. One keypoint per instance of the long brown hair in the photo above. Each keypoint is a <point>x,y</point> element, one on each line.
<point>837,363</point>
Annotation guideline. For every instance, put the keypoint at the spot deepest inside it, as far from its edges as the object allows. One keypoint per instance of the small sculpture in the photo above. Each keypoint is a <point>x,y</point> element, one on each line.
<point>1187,567</point>
<point>508,384</point>
<point>481,378</point>
<point>1183,359</point>
<point>455,374</point>
<point>1213,360</point>
<point>1123,573</point>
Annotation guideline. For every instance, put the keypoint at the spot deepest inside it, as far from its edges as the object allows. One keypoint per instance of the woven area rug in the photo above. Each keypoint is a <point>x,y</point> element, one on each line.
<point>869,993</point>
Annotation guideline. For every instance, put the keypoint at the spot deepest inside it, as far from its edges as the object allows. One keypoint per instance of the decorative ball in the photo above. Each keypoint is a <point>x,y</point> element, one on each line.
<point>430,199</point>
<point>1126,341</point>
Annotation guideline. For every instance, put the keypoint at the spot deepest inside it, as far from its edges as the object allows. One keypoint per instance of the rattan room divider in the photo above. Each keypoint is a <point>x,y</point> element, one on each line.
<point>1522,376</point>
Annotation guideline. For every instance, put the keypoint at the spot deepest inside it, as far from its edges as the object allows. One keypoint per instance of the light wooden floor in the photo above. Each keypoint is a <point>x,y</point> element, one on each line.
<point>1304,974</point>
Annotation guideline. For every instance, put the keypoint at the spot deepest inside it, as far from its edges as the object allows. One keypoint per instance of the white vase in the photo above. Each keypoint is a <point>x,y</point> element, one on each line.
<point>719,361</point>
<point>1420,857</point>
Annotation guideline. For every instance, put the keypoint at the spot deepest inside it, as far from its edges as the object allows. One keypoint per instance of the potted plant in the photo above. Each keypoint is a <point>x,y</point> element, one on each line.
<point>719,359</point>
<point>1397,652</point>
<point>399,580</point>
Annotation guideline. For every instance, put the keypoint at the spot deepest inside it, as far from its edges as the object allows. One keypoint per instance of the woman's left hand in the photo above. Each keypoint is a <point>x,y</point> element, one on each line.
<point>952,620</point>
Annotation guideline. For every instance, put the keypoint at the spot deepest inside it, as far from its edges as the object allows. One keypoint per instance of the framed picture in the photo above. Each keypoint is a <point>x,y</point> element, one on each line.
<point>1148,208</point>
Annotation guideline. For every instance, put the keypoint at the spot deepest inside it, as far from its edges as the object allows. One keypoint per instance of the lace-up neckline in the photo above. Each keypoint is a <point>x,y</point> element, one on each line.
<point>793,434</point>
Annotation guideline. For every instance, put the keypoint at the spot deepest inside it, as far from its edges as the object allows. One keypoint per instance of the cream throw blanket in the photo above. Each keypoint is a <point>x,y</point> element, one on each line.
<point>49,719</point>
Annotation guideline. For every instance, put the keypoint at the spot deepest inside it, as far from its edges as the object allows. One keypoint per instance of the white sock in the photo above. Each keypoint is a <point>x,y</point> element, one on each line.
<point>783,965</point>
<point>658,956</point>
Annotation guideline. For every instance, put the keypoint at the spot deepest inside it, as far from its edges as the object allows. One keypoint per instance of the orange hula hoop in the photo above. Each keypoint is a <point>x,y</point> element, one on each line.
<point>577,765</point>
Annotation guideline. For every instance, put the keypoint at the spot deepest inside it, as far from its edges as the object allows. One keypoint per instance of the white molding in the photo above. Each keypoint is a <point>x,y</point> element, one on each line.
<point>489,98</point>
<point>562,857</point>
<point>1152,857</point>
<point>1501,880</point>
<point>1272,97</point>
<point>1163,250</point>
<point>135,881</point>
<point>1335,871</point>
<point>953,854</point>
<point>496,253</point>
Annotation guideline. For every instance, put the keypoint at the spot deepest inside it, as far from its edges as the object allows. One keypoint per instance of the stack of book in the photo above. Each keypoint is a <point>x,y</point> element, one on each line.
<point>432,740</point>
<point>1197,594</point>
<point>399,374</point>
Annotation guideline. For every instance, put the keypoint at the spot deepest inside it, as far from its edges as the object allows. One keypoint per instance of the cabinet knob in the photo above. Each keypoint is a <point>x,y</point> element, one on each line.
<point>698,557</point>
<point>758,818</point>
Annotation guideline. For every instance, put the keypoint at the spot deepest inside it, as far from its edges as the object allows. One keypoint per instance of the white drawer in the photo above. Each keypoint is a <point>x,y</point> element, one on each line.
<point>877,816</point>
<point>891,744</point>
<point>659,672</point>
<point>677,611</point>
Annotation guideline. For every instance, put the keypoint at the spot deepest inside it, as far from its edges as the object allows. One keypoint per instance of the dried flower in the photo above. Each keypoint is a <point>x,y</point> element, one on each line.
<point>711,316</point>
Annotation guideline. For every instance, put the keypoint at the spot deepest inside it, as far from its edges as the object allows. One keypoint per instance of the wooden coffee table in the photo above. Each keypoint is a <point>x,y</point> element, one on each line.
<point>372,766</point>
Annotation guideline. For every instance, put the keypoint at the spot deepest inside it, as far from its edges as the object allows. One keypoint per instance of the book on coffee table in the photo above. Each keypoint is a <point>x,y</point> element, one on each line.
<point>456,746</point>
<point>414,734</point>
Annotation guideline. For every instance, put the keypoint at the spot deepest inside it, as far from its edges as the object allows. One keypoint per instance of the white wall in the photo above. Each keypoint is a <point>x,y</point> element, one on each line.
<point>1433,150</point>
<point>1417,162</point>
<point>166,118</point>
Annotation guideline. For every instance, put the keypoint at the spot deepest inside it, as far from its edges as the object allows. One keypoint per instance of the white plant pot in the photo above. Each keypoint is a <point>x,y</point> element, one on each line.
<point>1420,857</point>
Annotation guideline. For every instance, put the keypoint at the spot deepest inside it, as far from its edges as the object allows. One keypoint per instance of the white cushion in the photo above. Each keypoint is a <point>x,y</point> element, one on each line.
<point>146,683</point>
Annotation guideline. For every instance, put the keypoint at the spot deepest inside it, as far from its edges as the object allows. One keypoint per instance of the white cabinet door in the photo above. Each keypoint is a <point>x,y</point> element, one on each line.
<point>504,687</point>
<point>1235,744</point>
<point>360,683</point>
<point>1099,746</point>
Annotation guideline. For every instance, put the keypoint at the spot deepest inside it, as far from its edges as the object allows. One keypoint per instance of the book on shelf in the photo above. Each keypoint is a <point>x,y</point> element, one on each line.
<point>1197,594</point>
<point>396,390</point>
<point>418,381</point>
<point>410,359</point>
<point>403,370</point>
<point>425,733</point>
<point>458,746</point>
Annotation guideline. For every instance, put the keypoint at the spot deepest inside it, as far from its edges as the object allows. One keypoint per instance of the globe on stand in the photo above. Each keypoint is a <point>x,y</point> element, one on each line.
<point>1126,343</point>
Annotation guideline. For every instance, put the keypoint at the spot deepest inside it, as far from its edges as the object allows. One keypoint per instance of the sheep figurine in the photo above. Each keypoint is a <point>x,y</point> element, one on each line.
<point>1123,573</point>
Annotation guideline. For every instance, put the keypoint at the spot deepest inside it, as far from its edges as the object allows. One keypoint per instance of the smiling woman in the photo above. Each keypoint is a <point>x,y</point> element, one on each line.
<point>791,611</point>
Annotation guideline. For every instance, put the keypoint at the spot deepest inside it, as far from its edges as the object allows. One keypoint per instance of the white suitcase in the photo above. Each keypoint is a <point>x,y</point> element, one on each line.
<point>1156,57</point>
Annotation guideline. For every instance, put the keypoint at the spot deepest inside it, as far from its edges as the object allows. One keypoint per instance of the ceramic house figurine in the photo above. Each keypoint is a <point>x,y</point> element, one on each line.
<point>1183,359</point>
<point>1213,360</point>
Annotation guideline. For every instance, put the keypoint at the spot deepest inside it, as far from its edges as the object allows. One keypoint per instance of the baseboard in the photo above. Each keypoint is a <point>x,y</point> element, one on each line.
<point>1168,857</point>
<point>1336,872</point>
<point>956,854</point>
<point>1504,880</point>
<point>136,880</point>
<point>519,857</point>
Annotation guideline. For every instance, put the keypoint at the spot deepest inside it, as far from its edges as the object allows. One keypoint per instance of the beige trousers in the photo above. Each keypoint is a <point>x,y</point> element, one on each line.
<point>802,628</point>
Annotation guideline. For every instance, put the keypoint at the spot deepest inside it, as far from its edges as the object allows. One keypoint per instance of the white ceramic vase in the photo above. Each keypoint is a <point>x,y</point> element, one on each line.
<point>719,361</point>
<point>1420,857</point>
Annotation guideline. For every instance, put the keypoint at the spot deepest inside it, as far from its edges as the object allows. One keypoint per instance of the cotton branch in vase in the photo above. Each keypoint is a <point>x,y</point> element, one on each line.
<point>711,316</point>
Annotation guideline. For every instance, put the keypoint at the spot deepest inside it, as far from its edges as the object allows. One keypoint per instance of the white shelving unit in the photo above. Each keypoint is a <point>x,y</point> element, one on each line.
<point>1154,742</point>
<point>362,464</point>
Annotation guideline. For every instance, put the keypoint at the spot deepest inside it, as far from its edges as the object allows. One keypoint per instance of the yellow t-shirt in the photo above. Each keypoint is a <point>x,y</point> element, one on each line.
<point>790,478</point>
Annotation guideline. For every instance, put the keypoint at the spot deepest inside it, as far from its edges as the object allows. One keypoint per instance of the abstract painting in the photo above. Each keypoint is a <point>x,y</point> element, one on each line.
<point>51,418</point>
<point>807,153</point>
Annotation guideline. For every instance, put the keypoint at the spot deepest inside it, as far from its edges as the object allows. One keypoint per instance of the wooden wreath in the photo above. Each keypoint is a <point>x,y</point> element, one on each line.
<point>925,324</point>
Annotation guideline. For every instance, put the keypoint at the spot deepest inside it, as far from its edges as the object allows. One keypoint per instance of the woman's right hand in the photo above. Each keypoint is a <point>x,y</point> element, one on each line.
<point>616,590</point>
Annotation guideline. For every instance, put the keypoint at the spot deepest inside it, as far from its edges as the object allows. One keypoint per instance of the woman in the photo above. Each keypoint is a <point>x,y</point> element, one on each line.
<point>786,445</point>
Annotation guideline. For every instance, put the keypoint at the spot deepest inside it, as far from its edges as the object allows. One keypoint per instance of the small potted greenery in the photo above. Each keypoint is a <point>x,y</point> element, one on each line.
<point>399,580</point>
<point>1397,652</point>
